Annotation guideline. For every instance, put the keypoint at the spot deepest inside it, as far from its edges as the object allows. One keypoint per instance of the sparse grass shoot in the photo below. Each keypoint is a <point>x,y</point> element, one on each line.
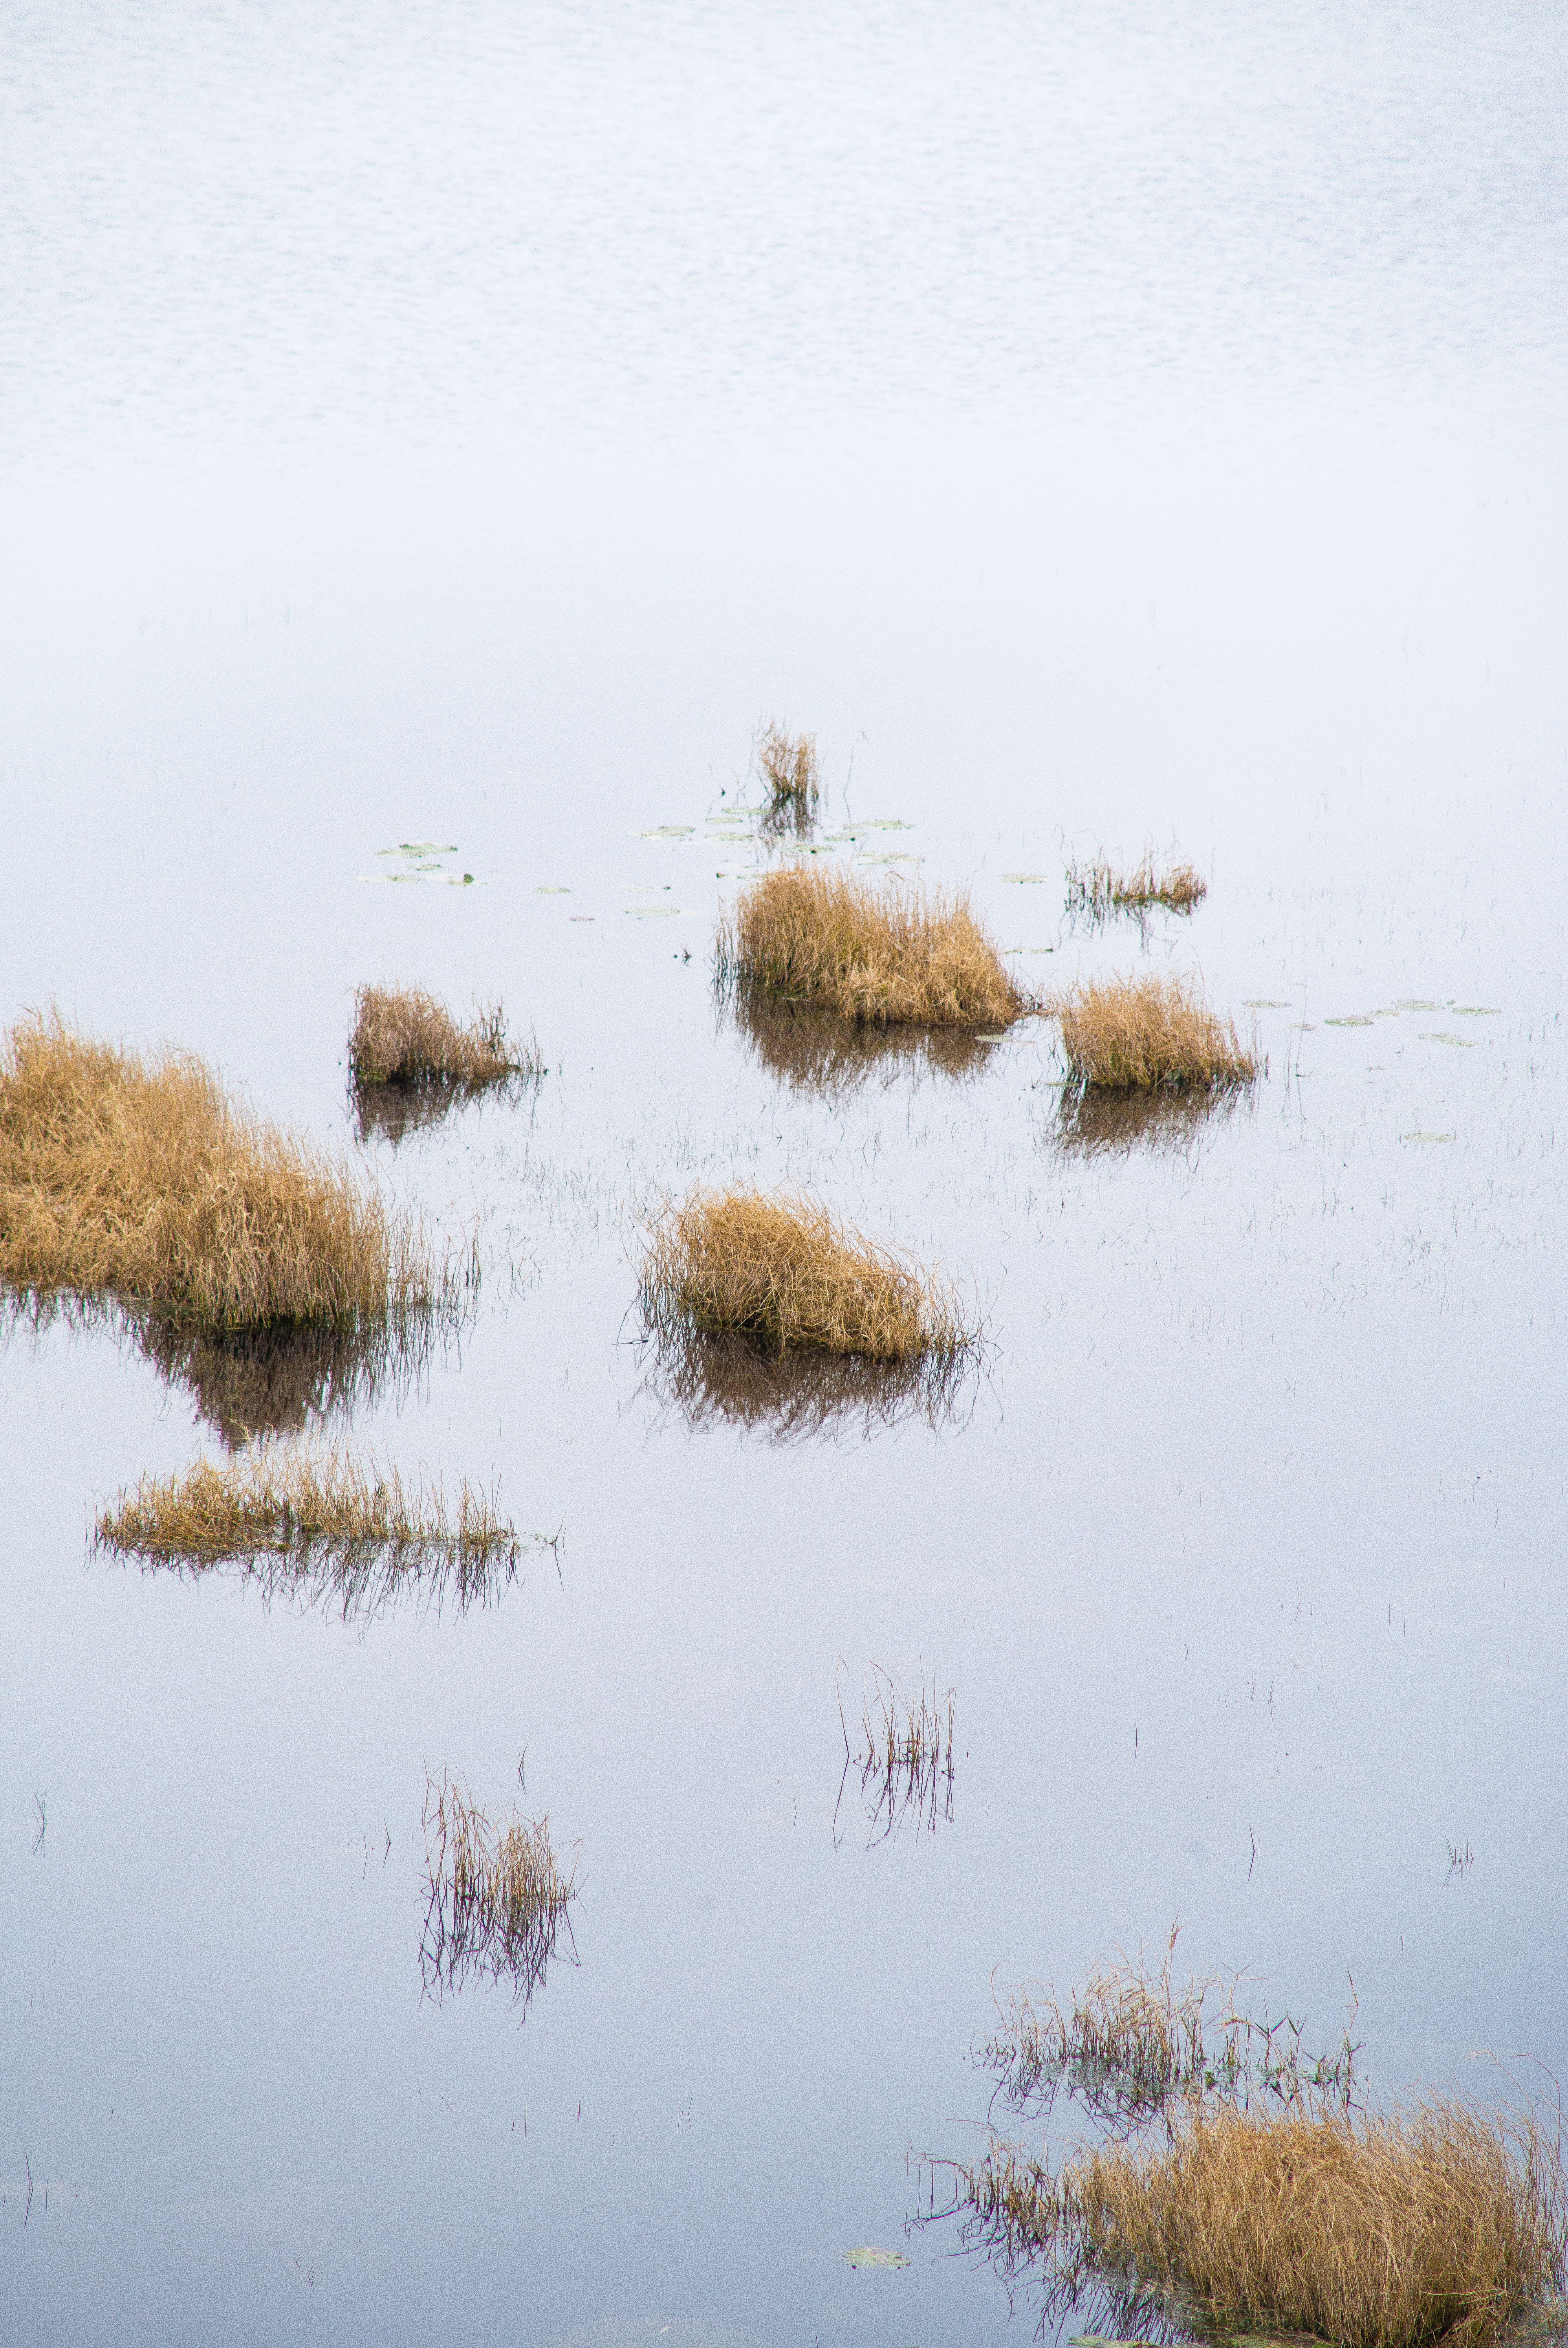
<point>875,953</point>
<point>787,1273</point>
<point>134,1175</point>
<point>787,765</point>
<point>496,1898</point>
<point>403,1036</point>
<point>905,1756</point>
<point>1102,888</point>
<point>1129,1035</point>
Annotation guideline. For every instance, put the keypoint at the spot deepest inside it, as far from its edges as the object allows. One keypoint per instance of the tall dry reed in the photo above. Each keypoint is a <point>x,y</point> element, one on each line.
<point>788,1273</point>
<point>1129,1035</point>
<point>787,765</point>
<point>403,1036</point>
<point>133,1175</point>
<point>1102,888</point>
<point>876,954</point>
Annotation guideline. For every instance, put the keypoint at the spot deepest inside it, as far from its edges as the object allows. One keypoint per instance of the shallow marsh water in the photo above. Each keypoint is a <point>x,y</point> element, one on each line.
<point>1115,427</point>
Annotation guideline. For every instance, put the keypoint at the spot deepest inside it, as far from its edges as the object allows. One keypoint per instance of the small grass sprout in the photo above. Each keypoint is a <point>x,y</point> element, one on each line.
<point>1390,2230</point>
<point>787,765</point>
<point>134,1175</point>
<point>1131,1034</point>
<point>405,1037</point>
<point>496,1896</point>
<point>878,953</point>
<point>1102,888</point>
<point>905,1757</point>
<point>787,1273</point>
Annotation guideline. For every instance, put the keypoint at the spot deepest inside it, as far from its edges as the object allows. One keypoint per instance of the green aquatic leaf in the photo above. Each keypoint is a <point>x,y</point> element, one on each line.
<point>1454,1043</point>
<point>1426,1137</point>
<point>1414,1003</point>
<point>1476,1010</point>
<point>1263,1003</point>
<point>546,888</point>
<point>867,2257</point>
<point>667,831</point>
<point>1023,876</point>
<point>985,1035</point>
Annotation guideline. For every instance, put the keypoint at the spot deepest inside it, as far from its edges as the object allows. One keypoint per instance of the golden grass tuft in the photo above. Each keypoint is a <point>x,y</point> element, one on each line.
<point>787,765</point>
<point>132,1175</point>
<point>1129,1035</point>
<point>307,1508</point>
<point>1371,2230</point>
<point>789,1273</point>
<point>496,1896</point>
<point>821,935</point>
<point>403,1036</point>
<point>1100,888</point>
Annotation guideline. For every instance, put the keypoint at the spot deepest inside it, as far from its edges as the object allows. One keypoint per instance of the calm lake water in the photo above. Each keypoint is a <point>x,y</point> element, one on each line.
<point>1104,425</point>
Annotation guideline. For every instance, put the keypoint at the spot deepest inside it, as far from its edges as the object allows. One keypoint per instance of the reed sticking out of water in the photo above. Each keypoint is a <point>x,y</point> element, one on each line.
<point>403,1036</point>
<point>1373,2230</point>
<point>1100,888</point>
<point>787,765</point>
<point>1129,1035</point>
<point>133,1175</point>
<point>1128,2041</point>
<point>876,955</point>
<point>787,1273</point>
<point>497,1899</point>
<point>313,1510</point>
<point>906,1756</point>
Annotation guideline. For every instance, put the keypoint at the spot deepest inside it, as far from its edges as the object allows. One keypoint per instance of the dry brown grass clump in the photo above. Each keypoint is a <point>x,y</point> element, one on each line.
<point>1375,2232</point>
<point>896,953</point>
<point>1128,1035</point>
<point>788,1273</point>
<point>401,1036</point>
<point>134,1175</point>
<point>1100,888</point>
<point>786,764</point>
<point>496,1896</point>
<point>308,1507</point>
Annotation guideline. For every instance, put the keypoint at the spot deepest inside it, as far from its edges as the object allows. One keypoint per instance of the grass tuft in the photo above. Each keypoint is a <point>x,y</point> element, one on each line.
<point>403,1036</point>
<point>307,1508</point>
<point>133,1175</point>
<point>1129,1035</point>
<point>786,1273</point>
<point>787,765</point>
<point>496,1899</point>
<point>905,1755</point>
<point>1372,2231</point>
<point>1100,888</point>
<point>896,953</point>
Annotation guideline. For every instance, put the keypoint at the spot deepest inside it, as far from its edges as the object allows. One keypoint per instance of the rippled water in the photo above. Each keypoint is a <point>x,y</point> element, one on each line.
<point>1102,426</point>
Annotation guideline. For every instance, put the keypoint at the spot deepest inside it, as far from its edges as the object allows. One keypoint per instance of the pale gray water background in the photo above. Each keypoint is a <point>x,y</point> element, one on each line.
<point>1107,424</point>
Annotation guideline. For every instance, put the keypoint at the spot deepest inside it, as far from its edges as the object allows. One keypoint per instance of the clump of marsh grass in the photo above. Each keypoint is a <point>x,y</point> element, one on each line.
<point>496,1898</point>
<point>905,1757</point>
<point>1130,1034</point>
<point>787,765</point>
<point>133,1175</point>
<point>308,1507</point>
<point>1387,2230</point>
<point>789,1273</point>
<point>894,954</point>
<point>747,1384</point>
<point>403,1037</point>
<point>1102,888</point>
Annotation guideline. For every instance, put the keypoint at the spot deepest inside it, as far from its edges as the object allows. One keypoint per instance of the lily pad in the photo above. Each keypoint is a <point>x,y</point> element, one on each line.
<point>1354,1019</point>
<point>1022,876</point>
<point>661,912</point>
<point>1414,1003</point>
<point>990,1036</point>
<point>1426,1137</point>
<point>421,847</point>
<point>1475,1010</point>
<point>547,890</point>
<point>666,831</point>
<point>1454,1043</point>
<point>1263,1003</point>
<point>867,2257</point>
<point>886,823</point>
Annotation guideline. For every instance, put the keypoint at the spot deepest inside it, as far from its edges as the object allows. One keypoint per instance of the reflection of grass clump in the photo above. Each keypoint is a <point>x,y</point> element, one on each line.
<point>311,1509</point>
<point>819,1052</point>
<point>830,937</point>
<point>496,1899</point>
<point>1099,888</point>
<point>135,1176</point>
<point>790,1274</point>
<point>747,1384</point>
<point>786,764</point>
<point>1165,1121</point>
<point>1128,1035</point>
<point>403,1036</point>
<point>1375,2232</point>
